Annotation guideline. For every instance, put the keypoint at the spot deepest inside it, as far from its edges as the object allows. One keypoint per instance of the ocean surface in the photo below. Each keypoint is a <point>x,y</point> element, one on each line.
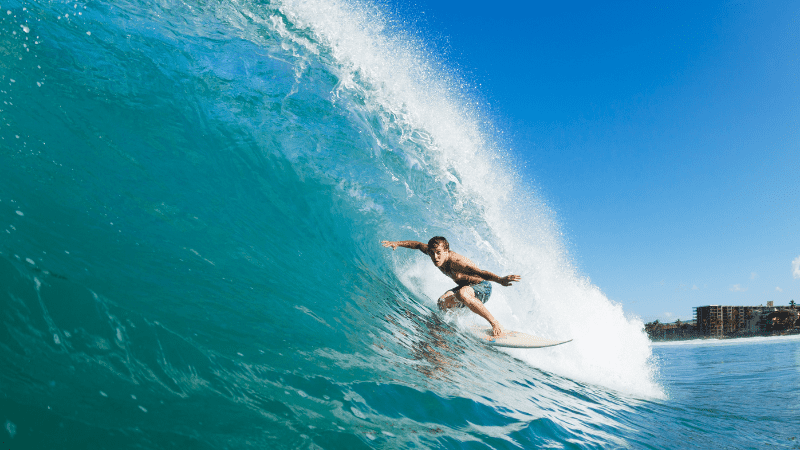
<point>192,199</point>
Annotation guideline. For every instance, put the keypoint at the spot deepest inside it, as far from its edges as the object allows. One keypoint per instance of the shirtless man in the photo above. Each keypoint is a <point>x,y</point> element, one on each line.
<point>473,288</point>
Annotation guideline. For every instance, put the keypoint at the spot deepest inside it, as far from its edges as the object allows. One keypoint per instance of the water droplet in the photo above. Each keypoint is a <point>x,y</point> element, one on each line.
<point>10,427</point>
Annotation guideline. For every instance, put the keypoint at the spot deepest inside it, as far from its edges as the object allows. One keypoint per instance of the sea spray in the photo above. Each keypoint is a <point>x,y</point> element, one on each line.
<point>498,221</point>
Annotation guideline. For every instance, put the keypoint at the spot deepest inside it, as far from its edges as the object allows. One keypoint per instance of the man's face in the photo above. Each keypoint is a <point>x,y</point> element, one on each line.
<point>439,255</point>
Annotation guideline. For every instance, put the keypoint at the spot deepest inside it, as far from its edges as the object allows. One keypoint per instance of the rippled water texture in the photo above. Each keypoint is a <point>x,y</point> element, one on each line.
<point>192,197</point>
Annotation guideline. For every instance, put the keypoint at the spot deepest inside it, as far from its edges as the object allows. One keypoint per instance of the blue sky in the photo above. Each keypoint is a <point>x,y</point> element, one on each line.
<point>666,137</point>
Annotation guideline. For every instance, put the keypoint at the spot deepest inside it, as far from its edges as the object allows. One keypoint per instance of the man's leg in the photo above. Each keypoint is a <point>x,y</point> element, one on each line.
<point>467,297</point>
<point>448,300</point>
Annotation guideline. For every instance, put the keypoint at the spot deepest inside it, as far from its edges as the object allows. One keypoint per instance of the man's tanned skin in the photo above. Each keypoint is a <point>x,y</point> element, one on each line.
<point>464,272</point>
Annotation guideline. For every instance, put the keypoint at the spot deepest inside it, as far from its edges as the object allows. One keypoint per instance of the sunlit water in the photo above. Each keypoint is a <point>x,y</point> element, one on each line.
<point>192,197</point>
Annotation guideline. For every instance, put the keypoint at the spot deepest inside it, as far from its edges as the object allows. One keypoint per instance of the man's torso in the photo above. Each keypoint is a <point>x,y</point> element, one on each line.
<point>456,268</point>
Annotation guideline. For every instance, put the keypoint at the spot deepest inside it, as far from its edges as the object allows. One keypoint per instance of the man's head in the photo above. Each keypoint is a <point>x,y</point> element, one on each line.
<point>438,250</point>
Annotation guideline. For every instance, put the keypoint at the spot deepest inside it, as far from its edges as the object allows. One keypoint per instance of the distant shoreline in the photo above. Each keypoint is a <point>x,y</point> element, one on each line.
<point>701,337</point>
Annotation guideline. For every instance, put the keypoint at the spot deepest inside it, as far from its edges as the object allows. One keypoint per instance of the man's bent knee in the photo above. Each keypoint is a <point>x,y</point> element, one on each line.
<point>448,300</point>
<point>466,296</point>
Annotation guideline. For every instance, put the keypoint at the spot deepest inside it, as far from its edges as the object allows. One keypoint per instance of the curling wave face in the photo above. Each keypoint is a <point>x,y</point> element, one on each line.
<point>192,197</point>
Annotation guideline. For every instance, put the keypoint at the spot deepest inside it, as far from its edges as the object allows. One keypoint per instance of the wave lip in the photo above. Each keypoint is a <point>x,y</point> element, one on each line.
<point>495,219</point>
<point>200,225</point>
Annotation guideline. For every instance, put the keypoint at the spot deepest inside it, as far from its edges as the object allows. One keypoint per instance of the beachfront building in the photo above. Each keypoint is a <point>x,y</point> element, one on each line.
<point>753,320</point>
<point>708,320</point>
<point>719,321</point>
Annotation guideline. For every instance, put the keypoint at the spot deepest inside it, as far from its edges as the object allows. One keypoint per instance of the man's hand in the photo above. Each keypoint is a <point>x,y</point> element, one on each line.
<point>390,244</point>
<point>497,330</point>
<point>506,281</point>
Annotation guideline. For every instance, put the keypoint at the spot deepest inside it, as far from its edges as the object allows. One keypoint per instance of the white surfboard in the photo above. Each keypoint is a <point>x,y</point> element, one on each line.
<point>515,339</point>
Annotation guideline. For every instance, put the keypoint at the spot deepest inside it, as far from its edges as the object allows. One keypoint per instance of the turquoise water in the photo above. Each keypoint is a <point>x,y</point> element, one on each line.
<point>192,197</point>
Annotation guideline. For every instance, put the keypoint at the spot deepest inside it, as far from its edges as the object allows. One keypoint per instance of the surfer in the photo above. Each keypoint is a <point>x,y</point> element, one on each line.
<point>473,288</point>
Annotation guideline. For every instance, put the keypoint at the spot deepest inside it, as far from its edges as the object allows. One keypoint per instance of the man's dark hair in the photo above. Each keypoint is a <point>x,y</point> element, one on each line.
<point>438,240</point>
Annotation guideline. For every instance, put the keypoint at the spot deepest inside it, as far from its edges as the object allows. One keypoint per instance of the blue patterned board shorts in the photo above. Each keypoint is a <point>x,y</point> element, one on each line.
<point>483,290</point>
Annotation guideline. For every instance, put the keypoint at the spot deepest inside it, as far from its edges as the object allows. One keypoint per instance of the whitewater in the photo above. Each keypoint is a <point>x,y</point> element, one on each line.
<point>192,199</point>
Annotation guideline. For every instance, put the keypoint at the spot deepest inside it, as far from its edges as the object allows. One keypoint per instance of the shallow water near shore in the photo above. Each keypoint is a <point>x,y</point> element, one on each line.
<point>192,197</point>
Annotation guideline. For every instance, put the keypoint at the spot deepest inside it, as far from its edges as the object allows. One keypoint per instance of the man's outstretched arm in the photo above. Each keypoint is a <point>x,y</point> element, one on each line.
<point>407,244</point>
<point>505,281</point>
<point>471,268</point>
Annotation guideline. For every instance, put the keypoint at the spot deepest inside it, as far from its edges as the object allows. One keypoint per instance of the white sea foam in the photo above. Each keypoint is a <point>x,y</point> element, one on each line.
<point>729,342</point>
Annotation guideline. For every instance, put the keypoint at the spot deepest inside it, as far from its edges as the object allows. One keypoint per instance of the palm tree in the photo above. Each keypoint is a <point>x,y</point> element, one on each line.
<point>791,304</point>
